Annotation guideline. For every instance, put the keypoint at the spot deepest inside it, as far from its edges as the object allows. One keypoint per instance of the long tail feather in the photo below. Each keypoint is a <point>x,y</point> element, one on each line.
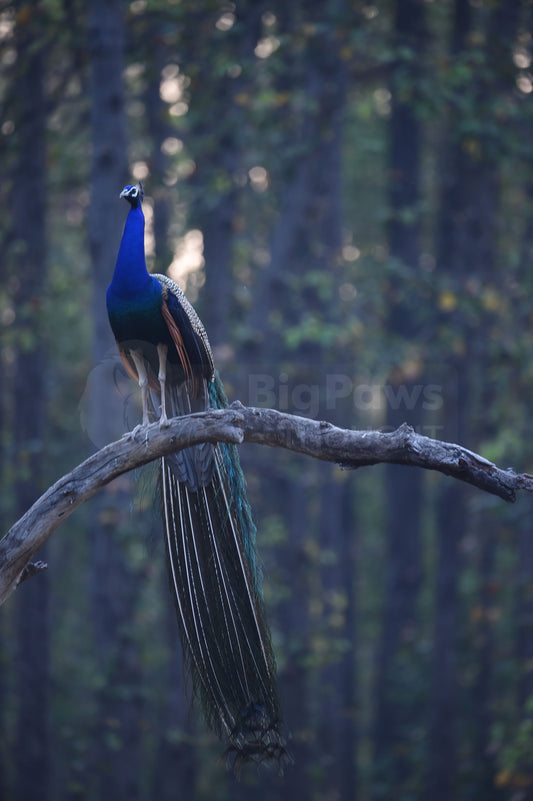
<point>210,538</point>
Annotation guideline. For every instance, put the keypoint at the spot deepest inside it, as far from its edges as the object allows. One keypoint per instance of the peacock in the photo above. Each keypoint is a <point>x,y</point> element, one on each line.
<point>209,532</point>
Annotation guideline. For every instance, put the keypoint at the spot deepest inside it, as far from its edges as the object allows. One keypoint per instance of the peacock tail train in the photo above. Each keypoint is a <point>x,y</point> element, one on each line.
<point>216,583</point>
<point>209,531</point>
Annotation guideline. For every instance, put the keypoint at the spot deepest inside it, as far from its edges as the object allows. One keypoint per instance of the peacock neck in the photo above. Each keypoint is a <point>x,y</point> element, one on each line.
<point>131,275</point>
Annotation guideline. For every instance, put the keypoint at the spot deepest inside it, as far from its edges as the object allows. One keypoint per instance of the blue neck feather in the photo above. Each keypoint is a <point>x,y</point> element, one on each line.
<point>131,276</point>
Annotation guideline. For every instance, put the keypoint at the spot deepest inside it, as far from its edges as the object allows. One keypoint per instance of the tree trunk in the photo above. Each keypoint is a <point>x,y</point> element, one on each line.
<point>114,588</point>
<point>502,28</point>
<point>396,718</point>
<point>32,757</point>
<point>523,595</point>
<point>452,507</point>
<point>295,614</point>
<point>338,701</point>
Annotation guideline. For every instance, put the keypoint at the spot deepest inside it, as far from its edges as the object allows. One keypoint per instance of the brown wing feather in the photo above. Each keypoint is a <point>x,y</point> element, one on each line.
<point>169,285</point>
<point>177,339</point>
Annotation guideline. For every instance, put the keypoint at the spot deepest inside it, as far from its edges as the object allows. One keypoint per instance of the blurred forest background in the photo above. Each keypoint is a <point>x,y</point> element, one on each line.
<point>345,191</point>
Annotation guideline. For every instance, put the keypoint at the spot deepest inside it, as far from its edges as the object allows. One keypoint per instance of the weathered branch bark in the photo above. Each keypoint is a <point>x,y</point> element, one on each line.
<point>322,440</point>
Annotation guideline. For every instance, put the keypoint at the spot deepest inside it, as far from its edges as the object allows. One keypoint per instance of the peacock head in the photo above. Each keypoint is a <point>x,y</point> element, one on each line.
<point>133,194</point>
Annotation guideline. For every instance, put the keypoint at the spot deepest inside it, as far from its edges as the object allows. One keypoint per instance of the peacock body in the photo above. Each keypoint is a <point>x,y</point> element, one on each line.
<point>209,531</point>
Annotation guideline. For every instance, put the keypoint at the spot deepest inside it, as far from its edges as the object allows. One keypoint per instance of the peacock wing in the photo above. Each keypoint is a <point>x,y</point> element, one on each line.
<point>187,389</point>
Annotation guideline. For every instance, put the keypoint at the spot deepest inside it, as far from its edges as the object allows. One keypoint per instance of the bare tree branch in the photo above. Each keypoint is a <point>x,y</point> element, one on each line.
<point>322,440</point>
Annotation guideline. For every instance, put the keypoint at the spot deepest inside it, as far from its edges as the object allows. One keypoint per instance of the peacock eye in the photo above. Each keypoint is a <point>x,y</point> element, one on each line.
<point>134,192</point>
